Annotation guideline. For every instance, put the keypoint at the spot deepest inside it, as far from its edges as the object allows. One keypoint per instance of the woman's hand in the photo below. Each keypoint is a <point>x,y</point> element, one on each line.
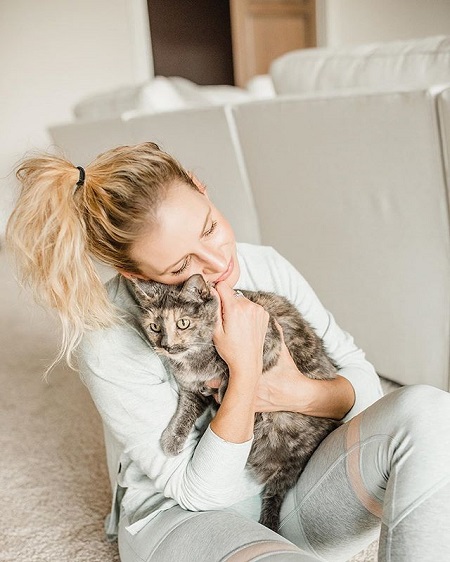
<point>239,339</point>
<point>285,388</point>
<point>240,331</point>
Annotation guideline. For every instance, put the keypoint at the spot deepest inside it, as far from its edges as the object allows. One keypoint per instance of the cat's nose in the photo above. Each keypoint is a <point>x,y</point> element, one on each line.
<point>168,348</point>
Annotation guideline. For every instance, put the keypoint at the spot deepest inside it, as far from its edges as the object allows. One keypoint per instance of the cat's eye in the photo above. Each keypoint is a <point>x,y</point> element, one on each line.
<point>154,327</point>
<point>183,323</point>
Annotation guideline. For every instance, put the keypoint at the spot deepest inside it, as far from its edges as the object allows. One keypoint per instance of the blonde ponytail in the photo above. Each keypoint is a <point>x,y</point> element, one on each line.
<point>48,238</point>
<point>58,227</point>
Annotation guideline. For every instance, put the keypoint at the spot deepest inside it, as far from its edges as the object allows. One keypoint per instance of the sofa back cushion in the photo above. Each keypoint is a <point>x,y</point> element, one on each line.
<point>443,107</point>
<point>378,66</point>
<point>351,190</point>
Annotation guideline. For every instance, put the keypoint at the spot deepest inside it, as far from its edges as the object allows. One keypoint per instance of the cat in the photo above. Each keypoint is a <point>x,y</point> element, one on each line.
<point>179,321</point>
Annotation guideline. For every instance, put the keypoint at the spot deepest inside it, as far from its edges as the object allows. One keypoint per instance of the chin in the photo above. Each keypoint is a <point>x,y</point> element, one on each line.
<point>171,355</point>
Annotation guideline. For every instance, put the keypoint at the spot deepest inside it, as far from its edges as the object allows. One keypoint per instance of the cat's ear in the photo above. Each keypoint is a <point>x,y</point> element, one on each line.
<point>196,288</point>
<point>146,292</point>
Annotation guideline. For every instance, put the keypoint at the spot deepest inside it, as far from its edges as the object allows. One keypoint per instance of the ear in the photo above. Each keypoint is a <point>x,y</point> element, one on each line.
<point>146,292</point>
<point>195,288</point>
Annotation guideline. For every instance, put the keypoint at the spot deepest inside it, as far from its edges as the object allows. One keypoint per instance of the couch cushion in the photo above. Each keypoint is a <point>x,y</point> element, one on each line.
<point>444,122</point>
<point>351,190</point>
<point>159,94</point>
<point>378,66</point>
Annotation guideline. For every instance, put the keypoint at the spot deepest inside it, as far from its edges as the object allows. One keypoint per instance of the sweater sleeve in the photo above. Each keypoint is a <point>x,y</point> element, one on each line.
<point>136,399</point>
<point>340,346</point>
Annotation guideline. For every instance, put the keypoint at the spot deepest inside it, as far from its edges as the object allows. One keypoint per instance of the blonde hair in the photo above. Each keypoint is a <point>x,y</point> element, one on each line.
<point>57,228</point>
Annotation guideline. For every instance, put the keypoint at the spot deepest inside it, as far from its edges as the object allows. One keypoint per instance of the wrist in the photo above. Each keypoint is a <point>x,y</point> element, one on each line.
<point>245,367</point>
<point>327,398</point>
<point>235,418</point>
<point>241,389</point>
<point>305,395</point>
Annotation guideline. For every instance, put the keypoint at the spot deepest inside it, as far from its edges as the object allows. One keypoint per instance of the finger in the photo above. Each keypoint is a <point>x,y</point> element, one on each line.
<point>215,294</point>
<point>218,329</point>
<point>228,301</point>
<point>280,330</point>
<point>226,293</point>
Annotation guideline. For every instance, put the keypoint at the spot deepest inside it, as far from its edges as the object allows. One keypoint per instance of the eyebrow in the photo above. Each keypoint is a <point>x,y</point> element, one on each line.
<point>183,258</point>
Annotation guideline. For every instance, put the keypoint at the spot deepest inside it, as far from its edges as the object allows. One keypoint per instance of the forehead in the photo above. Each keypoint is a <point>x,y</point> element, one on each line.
<point>178,224</point>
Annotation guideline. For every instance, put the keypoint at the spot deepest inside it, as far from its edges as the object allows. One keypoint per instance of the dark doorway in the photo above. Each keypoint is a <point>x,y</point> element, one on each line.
<point>192,39</point>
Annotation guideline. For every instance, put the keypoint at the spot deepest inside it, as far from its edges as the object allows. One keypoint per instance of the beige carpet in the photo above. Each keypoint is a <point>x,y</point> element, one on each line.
<point>53,480</point>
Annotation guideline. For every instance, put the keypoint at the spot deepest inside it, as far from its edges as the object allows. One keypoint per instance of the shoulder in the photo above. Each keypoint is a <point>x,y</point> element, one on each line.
<point>264,269</point>
<point>124,343</point>
<point>255,253</point>
<point>119,293</point>
<point>255,261</point>
<point>127,311</point>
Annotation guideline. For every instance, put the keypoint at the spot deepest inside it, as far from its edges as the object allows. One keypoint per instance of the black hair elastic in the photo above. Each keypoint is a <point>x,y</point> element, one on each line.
<point>80,182</point>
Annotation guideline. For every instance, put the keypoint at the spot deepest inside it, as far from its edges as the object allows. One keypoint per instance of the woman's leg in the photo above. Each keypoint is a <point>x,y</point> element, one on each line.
<point>389,463</point>
<point>209,536</point>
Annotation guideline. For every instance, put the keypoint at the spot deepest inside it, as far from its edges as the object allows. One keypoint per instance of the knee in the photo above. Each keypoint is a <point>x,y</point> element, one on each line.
<point>418,405</point>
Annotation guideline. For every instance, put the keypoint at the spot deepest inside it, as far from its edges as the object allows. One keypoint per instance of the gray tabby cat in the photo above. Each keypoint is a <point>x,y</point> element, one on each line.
<point>179,321</point>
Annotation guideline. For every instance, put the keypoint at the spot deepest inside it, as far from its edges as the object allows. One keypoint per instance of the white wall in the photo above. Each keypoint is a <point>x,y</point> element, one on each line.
<point>346,22</point>
<point>52,54</point>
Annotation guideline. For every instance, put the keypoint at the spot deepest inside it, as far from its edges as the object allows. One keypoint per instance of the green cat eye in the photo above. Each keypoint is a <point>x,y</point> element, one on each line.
<point>154,328</point>
<point>183,323</point>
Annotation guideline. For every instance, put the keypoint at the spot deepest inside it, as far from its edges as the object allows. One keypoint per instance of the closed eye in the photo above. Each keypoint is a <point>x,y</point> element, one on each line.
<point>187,261</point>
<point>183,267</point>
<point>211,229</point>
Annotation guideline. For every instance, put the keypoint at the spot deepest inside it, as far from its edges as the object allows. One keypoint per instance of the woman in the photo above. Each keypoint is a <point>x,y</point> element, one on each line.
<point>135,209</point>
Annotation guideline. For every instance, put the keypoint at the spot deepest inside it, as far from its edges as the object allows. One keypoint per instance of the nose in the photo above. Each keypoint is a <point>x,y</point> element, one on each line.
<point>164,342</point>
<point>213,261</point>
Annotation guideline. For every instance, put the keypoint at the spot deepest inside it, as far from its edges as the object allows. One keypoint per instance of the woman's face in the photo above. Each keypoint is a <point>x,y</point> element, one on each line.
<point>190,236</point>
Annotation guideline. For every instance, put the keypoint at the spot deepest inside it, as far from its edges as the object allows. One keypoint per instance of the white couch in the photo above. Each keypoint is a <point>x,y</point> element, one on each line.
<point>346,173</point>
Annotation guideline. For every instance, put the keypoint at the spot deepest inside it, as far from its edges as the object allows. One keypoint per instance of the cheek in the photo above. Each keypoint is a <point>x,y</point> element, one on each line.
<point>226,233</point>
<point>152,337</point>
<point>185,338</point>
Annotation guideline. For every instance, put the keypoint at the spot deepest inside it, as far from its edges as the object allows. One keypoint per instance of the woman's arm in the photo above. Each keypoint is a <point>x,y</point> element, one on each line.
<point>239,339</point>
<point>285,388</point>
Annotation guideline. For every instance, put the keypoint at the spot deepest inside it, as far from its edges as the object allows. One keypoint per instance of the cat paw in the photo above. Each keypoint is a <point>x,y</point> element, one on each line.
<point>172,445</point>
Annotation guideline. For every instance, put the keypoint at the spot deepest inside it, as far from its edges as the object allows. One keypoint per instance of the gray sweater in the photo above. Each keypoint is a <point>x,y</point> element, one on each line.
<point>136,397</point>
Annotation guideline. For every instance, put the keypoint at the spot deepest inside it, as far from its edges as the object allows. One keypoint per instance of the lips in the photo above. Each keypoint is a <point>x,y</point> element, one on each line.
<point>226,273</point>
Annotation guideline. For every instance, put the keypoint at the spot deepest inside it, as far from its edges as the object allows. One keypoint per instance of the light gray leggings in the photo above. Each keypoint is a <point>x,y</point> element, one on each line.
<point>389,463</point>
